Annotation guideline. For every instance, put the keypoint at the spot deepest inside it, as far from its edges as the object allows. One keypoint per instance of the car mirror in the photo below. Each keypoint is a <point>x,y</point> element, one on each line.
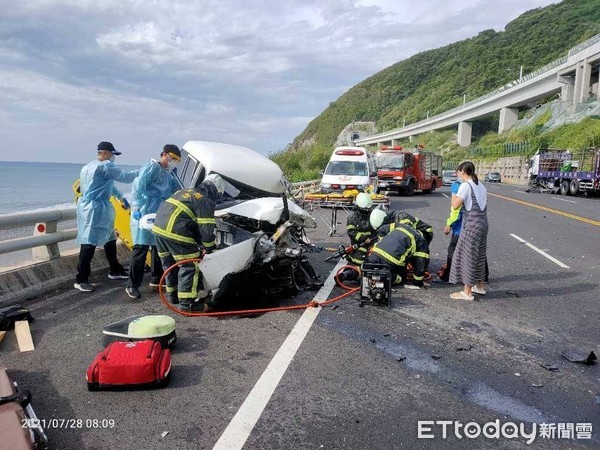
<point>321,172</point>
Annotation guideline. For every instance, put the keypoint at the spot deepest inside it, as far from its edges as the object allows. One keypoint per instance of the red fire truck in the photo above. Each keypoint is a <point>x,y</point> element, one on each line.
<point>407,171</point>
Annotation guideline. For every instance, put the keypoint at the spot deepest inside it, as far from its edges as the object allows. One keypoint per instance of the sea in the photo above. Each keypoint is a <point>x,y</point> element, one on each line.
<point>27,186</point>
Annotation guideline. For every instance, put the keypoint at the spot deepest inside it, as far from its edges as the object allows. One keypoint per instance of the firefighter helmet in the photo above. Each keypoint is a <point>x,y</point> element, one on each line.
<point>364,202</point>
<point>377,218</point>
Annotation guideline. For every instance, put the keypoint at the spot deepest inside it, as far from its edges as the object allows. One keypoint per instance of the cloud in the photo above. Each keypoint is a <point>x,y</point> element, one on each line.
<point>250,73</point>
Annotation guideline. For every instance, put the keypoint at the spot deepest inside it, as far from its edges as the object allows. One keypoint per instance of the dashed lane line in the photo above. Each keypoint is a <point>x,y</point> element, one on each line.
<point>242,424</point>
<point>563,199</point>
<point>552,210</point>
<point>540,251</point>
<point>445,195</point>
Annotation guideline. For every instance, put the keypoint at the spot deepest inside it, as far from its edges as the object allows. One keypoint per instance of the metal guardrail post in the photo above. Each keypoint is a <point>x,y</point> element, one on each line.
<point>51,251</point>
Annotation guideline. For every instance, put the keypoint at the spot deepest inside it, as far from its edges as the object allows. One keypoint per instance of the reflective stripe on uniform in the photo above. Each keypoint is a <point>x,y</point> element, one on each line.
<point>362,233</point>
<point>205,221</point>
<point>350,227</point>
<point>208,244</point>
<point>173,236</point>
<point>390,258</point>
<point>421,254</point>
<point>182,207</point>
<point>417,278</point>
<point>188,256</point>
<point>171,289</point>
<point>163,254</point>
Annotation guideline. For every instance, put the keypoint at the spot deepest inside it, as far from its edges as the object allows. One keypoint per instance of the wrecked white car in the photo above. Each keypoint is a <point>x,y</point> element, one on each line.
<point>261,239</point>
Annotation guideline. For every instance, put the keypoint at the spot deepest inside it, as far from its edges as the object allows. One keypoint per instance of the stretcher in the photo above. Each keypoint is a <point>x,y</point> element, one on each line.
<point>339,201</point>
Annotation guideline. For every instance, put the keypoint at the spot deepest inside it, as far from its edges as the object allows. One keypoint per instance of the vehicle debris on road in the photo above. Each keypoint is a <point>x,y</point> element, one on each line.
<point>579,357</point>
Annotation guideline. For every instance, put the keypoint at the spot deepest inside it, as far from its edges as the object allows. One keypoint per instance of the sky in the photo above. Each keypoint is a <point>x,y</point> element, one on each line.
<point>144,73</point>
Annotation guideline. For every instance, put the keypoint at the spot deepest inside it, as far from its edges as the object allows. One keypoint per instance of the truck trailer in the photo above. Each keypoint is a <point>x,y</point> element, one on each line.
<point>566,172</point>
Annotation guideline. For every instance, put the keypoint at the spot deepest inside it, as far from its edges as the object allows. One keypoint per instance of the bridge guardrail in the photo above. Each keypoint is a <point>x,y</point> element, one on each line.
<point>46,223</point>
<point>45,231</point>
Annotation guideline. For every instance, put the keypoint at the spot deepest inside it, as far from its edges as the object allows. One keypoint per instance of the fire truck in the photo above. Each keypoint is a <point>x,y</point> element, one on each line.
<point>407,171</point>
<point>567,172</point>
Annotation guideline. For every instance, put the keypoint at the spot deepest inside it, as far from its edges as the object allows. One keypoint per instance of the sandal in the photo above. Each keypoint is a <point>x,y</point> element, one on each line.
<point>462,296</point>
<point>476,290</point>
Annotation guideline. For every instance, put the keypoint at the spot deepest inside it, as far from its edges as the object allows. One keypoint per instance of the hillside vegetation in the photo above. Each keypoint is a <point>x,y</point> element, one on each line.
<point>436,80</point>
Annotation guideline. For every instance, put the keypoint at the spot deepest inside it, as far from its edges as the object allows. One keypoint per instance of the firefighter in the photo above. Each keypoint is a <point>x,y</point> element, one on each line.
<point>398,245</point>
<point>184,224</point>
<point>359,229</point>
<point>404,218</point>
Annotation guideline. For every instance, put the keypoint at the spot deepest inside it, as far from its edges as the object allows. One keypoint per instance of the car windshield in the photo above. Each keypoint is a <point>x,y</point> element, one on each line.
<point>389,160</point>
<point>351,168</point>
<point>495,174</point>
<point>449,173</point>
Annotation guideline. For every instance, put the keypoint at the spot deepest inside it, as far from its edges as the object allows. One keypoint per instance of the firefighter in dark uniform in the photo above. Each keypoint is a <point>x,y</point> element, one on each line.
<point>184,224</point>
<point>398,245</point>
<point>359,229</point>
<point>404,218</point>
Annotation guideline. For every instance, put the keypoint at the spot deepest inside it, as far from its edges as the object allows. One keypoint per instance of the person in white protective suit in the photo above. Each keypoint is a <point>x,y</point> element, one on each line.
<point>154,184</point>
<point>96,215</point>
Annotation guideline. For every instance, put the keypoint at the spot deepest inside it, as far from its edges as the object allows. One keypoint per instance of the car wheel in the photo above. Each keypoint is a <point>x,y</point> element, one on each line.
<point>410,190</point>
<point>564,187</point>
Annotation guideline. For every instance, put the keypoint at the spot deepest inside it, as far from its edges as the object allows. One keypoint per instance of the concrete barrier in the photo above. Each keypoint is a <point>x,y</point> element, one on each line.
<point>36,279</point>
<point>513,169</point>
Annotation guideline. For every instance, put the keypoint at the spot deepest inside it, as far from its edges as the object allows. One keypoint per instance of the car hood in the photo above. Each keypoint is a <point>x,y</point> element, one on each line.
<point>269,209</point>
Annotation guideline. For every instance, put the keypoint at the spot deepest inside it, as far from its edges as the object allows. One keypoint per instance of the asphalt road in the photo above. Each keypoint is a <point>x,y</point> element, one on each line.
<point>358,377</point>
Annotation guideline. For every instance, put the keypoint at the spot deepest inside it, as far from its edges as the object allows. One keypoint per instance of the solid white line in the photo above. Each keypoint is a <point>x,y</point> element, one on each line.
<point>563,200</point>
<point>240,427</point>
<point>522,192</point>
<point>540,251</point>
<point>445,195</point>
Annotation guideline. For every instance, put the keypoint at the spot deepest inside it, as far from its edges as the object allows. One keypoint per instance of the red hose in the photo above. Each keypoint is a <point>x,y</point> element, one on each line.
<point>312,303</point>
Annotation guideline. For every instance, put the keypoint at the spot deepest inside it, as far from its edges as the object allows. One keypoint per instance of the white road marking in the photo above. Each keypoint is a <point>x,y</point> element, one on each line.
<point>445,195</point>
<point>540,251</point>
<point>522,192</point>
<point>563,199</point>
<point>242,424</point>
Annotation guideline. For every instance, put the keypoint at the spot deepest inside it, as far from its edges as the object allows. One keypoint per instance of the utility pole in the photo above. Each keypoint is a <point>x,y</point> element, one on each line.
<point>464,100</point>
<point>404,122</point>
<point>427,115</point>
<point>521,74</point>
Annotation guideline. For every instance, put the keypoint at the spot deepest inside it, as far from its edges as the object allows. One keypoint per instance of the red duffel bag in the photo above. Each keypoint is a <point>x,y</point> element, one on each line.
<point>130,365</point>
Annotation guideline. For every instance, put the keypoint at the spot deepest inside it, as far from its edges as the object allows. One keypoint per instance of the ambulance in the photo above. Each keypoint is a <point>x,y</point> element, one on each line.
<point>349,168</point>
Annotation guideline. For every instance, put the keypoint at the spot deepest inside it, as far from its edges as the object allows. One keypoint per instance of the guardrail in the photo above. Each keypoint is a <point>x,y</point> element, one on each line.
<point>45,232</point>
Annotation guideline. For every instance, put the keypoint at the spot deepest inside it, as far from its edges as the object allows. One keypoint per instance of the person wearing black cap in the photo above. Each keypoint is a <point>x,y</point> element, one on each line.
<point>154,184</point>
<point>96,215</point>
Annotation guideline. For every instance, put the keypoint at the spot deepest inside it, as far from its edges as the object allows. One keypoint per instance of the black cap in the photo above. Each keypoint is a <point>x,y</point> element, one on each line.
<point>172,148</point>
<point>107,146</point>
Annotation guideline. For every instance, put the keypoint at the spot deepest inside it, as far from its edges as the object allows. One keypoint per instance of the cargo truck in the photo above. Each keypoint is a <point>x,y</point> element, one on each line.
<point>566,172</point>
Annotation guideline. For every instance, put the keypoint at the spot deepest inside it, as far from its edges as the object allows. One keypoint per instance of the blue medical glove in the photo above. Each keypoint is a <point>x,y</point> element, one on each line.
<point>125,203</point>
<point>137,215</point>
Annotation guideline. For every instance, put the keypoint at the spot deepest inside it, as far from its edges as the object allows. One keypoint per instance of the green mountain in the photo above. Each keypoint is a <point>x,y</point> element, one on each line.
<point>436,80</point>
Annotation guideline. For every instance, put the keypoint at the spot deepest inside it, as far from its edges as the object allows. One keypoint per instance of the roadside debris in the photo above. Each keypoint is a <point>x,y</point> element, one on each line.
<point>436,356</point>
<point>516,294</point>
<point>537,385</point>
<point>576,356</point>
<point>164,433</point>
<point>517,374</point>
<point>335,306</point>
<point>598,399</point>
<point>550,367</point>
<point>401,358</point>
<point>464,347</point>
<point>373,340</point>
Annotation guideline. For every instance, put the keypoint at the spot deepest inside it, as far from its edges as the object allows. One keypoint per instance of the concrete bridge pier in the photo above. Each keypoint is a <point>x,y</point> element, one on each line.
<point>508,117</point>
<point>463,137</point>
<point>583,75</point>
